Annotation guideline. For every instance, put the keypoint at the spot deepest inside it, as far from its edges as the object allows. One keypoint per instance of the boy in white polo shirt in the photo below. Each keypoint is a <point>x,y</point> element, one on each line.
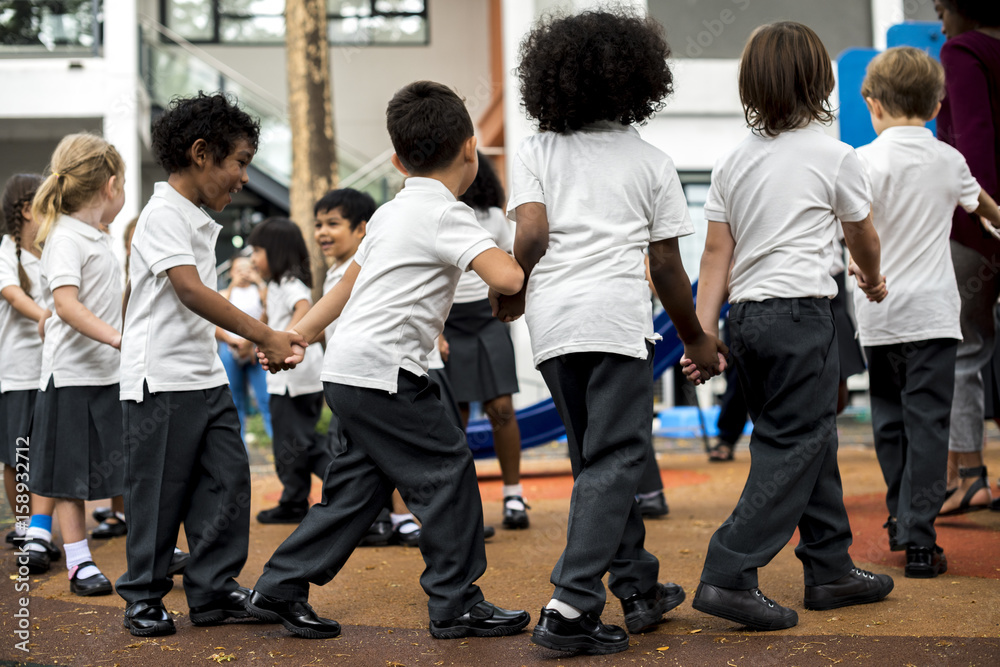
<point>184,458</point>
<point>394,429</point>
<point>911,338</point>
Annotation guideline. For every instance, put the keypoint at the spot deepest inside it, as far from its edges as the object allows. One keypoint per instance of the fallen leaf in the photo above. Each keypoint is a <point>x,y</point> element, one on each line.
<point>694,632</point>
<point>222,657</point>
<point>662,648</point>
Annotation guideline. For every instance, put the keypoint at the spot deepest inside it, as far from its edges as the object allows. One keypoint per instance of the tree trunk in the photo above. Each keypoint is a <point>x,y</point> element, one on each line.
<point>310,110</point>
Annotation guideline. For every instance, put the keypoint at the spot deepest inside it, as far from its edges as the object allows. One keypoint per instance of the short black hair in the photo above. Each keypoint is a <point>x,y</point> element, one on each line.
<point>593,66</point>
<point>286,249</point>
<point>428,124</point>
<point>485,192</point>
<point>355,206</point>
<point>984,12</point>
<point>215,118</point>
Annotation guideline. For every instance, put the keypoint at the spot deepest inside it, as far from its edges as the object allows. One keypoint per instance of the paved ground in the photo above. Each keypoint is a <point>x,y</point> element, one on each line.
<point>951,620</point>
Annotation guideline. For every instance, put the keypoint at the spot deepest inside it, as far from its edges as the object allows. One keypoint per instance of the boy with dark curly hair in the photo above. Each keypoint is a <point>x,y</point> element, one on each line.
<point>184,458</point>
<point>590,197</point>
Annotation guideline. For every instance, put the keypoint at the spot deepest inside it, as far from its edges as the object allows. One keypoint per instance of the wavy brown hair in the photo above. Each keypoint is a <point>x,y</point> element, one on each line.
<point>18,192</point>
<point>786,77</point>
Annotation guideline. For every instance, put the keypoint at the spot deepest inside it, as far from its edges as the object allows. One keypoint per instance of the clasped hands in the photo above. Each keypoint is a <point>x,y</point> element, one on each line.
<point>282,350</point>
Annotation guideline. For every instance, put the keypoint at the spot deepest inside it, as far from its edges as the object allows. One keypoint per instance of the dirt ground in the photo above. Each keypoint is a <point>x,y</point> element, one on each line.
<point>951,620</point>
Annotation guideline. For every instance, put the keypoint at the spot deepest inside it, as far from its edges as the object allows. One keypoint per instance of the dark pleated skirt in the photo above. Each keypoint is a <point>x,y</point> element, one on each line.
<point>480,363</point>
<point>76,443</point>
<point>16,410</point>
<point>852,359</point>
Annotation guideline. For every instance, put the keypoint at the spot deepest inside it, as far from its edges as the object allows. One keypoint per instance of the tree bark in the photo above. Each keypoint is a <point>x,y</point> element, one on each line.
<point>310,110</point>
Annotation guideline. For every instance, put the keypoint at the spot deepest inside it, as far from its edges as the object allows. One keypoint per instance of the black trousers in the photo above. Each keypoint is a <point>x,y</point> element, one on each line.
<point>911,386</point>
<point>407,441</point>
<point>298,449</point>
<point>785,351</point>
<point>606,403</point>
<point>184,461</point>
<point>733,406</point>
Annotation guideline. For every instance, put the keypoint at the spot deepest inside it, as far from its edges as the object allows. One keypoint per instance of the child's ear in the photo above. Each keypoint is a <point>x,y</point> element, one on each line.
<point>934,115</point>
<point>26,210</point>
<point>112,187</point>
<point>469,149</point>
<point>399,165</point>
<point>198,153</point>
<point>874,107</point>
<point>362,227</point>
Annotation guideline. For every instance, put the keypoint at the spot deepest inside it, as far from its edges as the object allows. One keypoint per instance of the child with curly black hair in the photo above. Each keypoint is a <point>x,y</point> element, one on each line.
<point>590,197</point>
<point>184,458</point>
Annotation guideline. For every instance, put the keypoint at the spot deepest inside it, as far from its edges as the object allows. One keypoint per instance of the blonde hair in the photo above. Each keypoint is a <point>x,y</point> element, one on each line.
<point>907,82</point>
<point>81,166</point>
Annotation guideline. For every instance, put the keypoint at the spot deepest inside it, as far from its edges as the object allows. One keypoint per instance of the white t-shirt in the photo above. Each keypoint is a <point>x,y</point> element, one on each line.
<point>607,195</point>
<point>165,344</point>
<point>916,183</point>
<point>470,286</point>
<point>19,339</point>
<point>304,378</point>
<point>782,198</point>
<point>416,247</point>
<point>247,299</point>
<point>82,256</point>
<point>333,276</point>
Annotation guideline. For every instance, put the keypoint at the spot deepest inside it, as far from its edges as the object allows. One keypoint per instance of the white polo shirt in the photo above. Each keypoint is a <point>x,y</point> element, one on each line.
<point>304,378</point>
<point>19,339</point>
<point>917,181</point>
<point>164,343</point>
<point>333,276</point>
<point>607,195</point>
<point>415,248</point>
<point>782,198</point>
<point>470,286</point>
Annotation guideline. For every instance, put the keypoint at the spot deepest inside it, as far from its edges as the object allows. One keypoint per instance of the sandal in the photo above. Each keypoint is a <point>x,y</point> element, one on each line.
<point>721,452</point>
<point>979,474</point>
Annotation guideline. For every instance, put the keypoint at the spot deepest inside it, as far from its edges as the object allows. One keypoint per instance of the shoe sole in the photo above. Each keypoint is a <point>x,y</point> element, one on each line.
<point>36,566</point>
<point>730,615</point>
<point>850,601</point>
<point>516,525</point>
<point>499,631</point>
<point>575,643</point>
<point>93,593</point>
<point>219,616</point>
<point>639,621</point>
<point>149,632</point>
<point>924,572</point>
<point>274,617</point>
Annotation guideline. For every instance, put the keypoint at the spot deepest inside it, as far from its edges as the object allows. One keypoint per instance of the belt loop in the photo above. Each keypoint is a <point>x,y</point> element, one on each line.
<point>795,310</point>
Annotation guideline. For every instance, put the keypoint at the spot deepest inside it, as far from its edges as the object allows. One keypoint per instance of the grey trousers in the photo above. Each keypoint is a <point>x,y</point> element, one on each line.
<point>606,403</point>
<point>911,394</point>
<point>978,287</point>
<point>407,441</point>
<point>785,352</point>
<point>184,461</point>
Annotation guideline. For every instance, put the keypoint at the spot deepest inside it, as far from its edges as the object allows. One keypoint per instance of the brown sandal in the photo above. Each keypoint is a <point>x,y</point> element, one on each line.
<point>979,474</point>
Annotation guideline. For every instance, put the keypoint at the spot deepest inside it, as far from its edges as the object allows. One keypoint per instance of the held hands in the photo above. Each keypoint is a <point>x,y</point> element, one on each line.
<point>988,226</point>
<point>704,358</point>
<point>282,350</point>
<point>507,308</point>
<point>443,348</point>
<point>875,292</point>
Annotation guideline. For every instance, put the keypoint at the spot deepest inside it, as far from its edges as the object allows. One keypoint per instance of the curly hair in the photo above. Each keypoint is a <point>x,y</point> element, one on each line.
<point>19,191</point>
<point>485,192</point>
<point>986,14</point>
<point>597,65</point>
<point>215,118</point>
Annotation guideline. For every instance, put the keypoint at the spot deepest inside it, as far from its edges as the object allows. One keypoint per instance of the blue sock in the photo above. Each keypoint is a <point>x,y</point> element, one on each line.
<point>43,521</point>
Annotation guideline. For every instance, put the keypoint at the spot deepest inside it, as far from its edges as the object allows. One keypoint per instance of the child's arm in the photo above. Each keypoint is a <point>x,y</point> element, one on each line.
<point>989,214</point>
<point>313,323</point>
<point>22,303</point>
<point>72,312</point>
<point>498,270</point>
<point>279,346</point>
<point>863,243</point>
<point>531,240</point>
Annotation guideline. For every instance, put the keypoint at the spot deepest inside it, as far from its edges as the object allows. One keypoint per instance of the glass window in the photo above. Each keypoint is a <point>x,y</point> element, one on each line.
<point>57,26</point>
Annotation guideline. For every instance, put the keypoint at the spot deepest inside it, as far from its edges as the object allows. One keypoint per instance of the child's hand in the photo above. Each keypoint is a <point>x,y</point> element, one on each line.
<point>41,323</point>
<point>443,348</point>
<point>704,358</point>
<point>988,226</point>
<point>874,292</point>
<point>282,350</point>
<point>116,342</point>
<point>507,308</point>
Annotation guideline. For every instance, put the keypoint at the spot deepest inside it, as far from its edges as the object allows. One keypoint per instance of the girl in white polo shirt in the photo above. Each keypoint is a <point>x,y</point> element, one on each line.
<point>77,431</point>
<point>281,258</point>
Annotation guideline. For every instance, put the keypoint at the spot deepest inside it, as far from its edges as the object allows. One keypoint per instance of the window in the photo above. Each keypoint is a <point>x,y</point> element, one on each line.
<point>55,26</point>
<point>349,22</point>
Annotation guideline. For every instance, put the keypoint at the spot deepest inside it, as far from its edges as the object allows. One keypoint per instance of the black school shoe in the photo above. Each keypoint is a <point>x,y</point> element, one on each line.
<point>410,539</point>
<point>231,605</point>
<point>96,584</point>
<point>178,563</point>
<point>584,634</point>
<point>654,507</point>
<point>892,528</point>
<point>297,617</point>
<point>855,587</point>
<point>148,618</point>
<point>283,514</point>
<point>513,518</point>
<point>646,610</point>
<point>925,562</point>
<point>110,527</point>
<point>380,532</point>
<point>746,607</point>
<point>483,620</point>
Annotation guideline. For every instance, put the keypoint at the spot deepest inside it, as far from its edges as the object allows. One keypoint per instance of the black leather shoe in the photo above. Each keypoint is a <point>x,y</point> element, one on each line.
<point>654,507</point>
<point>380,532</point>
<point>646,610</point>
<point>925,562</point>
<point>96,584</point>
<point>513,518</point>
<point>178,563</point>
<point>747,607</point>
<point>892,528</point>
<point>283,514</point>
<point>297,617</point>
<point>148,618</point>
<point>483,620</point>
<point>488,532</point>
<point>13,538</point>
<point>585,634</point>
<point>110,527</point>
<point>37,560</point>
<point>410,539</point>
<point>231,605</point>
<point>102,513</point>
<point>855,587</point>
<point>54,552</point>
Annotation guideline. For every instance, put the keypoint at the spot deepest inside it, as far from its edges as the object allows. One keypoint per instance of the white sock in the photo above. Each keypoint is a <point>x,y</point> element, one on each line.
<point>400,518</point>
<point>20,529</point>
<point>33,532</point>
<point>77,553</point>
<point>568,612</point>
<point>644,496</point>
<point>513,490</point>
<point>177,550</point>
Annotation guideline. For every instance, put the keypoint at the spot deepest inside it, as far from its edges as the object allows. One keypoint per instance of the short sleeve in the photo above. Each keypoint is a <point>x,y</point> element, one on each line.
<point>970,188</point>
<point>362,252</point>
<point>460,237</point>
<point>8,271</point>
<point>671,217</point>
<point>524,184</point>
<point>295,290</point>
<point>853,190</point>
<point>164,240</point>
<point>502,229</point>
<point>62,262</point>
<point>715,201</point>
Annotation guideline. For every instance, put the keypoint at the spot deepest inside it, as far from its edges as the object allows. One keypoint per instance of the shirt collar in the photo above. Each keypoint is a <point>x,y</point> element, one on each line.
<point>80,227</point>
<point>194,214</point>
<point>907,132</point>
<point>605,126</point>
<point>423,184</point>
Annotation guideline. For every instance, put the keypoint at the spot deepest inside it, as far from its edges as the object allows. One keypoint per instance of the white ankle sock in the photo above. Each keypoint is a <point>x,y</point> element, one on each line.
<point>513,490</point>
<point>33,532</point>
<point>568,611</point>
<point>177,550</point>
<point>77,553</point>
<point>644,496</point>
<point>400,518</point>
<point>20,529</point>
